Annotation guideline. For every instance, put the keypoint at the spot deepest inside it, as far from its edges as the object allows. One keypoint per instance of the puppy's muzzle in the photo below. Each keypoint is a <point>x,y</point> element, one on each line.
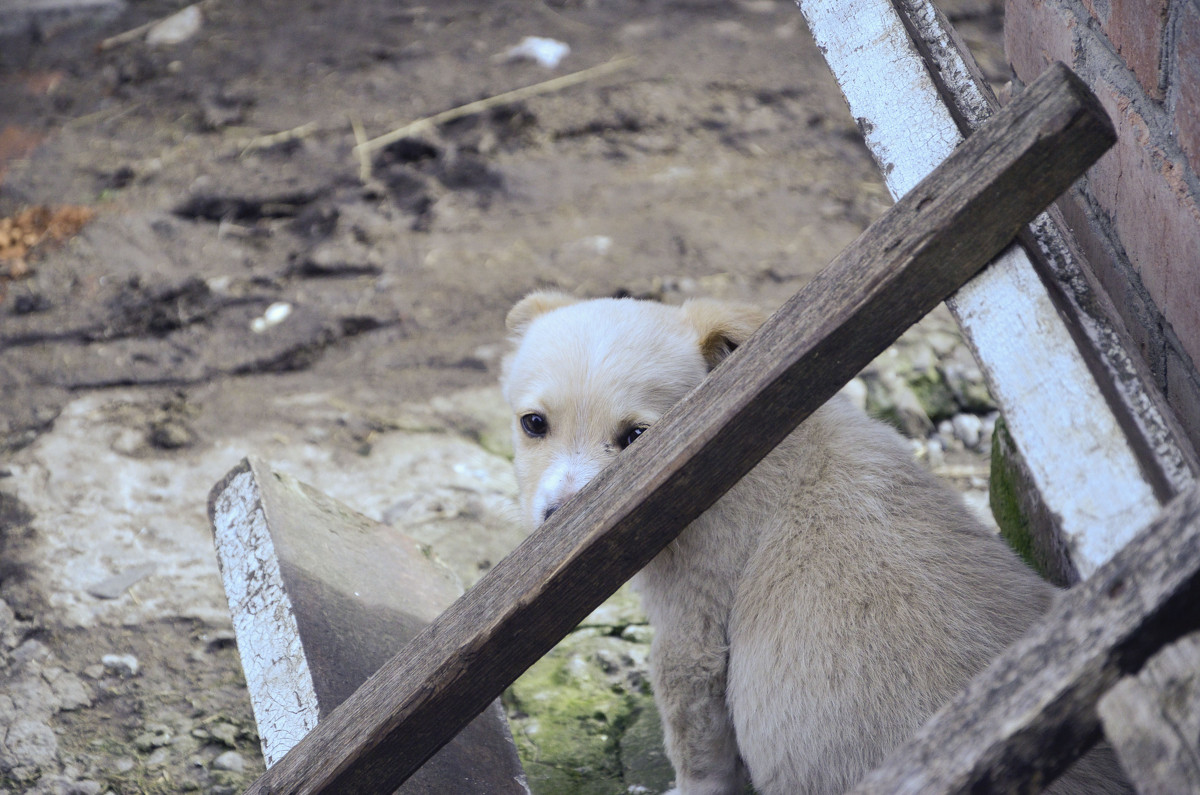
<point>561,481</point>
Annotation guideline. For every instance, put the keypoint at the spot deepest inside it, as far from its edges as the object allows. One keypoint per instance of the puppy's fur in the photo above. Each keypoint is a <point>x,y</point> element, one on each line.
<point>819,611</point>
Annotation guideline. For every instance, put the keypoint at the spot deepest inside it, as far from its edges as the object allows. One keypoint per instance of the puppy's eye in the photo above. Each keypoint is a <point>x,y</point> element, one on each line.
<point>534,424</point>
<point>630,436</point>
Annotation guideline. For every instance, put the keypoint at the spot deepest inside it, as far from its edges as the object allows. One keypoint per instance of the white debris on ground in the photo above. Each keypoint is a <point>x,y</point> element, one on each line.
<point>546,52</point>
<point>175,29</point>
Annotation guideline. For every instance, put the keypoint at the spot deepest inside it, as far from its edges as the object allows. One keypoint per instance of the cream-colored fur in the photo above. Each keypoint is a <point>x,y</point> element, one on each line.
<point>819,611</point>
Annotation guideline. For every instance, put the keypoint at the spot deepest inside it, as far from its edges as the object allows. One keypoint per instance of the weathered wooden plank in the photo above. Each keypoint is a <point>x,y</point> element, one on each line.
<point>1054,407</point>
<point>1033,711</point>
<point>923,248</point>
<point>1166,457</point>
<point>321,597</point>
<point>1153,720</point>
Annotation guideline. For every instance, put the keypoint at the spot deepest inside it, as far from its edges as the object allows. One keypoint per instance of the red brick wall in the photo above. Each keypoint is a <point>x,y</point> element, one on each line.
<point>1137,214</point>
<point>1185,56</point>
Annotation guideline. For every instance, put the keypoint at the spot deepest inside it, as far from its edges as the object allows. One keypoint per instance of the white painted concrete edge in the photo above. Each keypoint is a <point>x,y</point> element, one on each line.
<point>277,674</point>
<point>1078,455</point>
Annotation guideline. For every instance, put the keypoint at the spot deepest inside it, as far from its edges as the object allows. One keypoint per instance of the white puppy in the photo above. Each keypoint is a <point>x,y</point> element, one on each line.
<point>818,612</point>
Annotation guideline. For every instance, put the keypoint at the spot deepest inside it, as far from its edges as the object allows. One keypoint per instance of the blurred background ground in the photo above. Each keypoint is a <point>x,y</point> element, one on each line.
<point>228,278</point>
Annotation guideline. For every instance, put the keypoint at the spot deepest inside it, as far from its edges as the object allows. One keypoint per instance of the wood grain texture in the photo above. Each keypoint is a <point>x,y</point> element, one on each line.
<point>925,247</point>
<point>1024,719</point>
<point>1153,720</point>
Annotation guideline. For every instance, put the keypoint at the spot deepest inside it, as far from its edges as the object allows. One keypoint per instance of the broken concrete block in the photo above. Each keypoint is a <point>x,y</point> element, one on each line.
<point>321,597</point>
<point>1153,720</point>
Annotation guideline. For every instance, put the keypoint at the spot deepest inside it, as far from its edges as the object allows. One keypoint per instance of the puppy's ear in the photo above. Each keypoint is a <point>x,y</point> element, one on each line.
<point>721,326</point>
<point>534,304</point>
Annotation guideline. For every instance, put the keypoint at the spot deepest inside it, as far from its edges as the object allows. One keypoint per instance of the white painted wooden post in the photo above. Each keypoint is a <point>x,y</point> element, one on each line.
<point>1080,458</point>
<point>268,638</point>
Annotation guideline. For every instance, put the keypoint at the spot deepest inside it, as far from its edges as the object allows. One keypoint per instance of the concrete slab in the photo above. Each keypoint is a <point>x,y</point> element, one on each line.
<point>106,500</point>
<point>321,597</point>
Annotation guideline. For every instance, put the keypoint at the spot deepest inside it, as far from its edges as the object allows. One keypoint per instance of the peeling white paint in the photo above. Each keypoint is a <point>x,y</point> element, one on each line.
<point>1077,454</point>
<point>1079,457</point>
<point>905,124</point>
<point>277,673</point>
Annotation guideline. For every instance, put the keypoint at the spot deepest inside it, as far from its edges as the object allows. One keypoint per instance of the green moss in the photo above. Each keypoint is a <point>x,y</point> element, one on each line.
<point>1004,499</point>
<point>622,609</point>
<point>569,716</point>
<point>887,414</point>
<point>643,759</point>
<point>497,441</point>
<point>975,397</point>
<point>880,405</point>
<point>583,716</point>
<point>933,394</point>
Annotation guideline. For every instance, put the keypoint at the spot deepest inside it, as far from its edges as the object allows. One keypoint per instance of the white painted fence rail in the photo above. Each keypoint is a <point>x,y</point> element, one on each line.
<point>1092,475</point>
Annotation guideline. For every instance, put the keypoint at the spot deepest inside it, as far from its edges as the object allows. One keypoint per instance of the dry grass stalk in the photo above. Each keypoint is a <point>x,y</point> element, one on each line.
<point>471,108</point>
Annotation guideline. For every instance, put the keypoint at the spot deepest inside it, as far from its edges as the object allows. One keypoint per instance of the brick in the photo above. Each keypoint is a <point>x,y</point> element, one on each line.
<point>1140,317</point>
<point>1136,29</point>
<point>1157,220</point>
<point>1183,394</point>
<point>1185,58</point>
<point>1099,9</point>
<point>1141,187</point>
<point>1122,181</point>
<point>1036,34</point>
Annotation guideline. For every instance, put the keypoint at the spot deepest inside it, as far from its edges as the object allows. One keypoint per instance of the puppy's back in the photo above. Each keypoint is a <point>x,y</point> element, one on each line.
<point>872,596</point>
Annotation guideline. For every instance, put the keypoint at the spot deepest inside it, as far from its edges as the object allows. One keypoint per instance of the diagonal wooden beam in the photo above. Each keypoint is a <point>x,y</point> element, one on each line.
<point>926,246</point>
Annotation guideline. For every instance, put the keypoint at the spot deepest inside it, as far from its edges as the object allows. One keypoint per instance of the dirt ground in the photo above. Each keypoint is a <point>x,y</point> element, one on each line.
<point>242,259</point>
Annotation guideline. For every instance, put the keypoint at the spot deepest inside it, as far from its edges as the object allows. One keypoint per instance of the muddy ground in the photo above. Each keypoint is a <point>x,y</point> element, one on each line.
<point>248,285</point>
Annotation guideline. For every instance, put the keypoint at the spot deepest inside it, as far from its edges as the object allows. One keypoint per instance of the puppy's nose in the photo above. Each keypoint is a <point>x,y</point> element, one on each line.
<point>549,511</point>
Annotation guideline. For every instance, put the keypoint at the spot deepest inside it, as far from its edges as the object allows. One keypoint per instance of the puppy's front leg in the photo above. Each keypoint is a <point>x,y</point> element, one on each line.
<point>689,670</point>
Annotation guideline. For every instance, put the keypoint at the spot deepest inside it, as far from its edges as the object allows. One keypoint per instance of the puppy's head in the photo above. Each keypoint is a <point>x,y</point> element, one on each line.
<point>587,377</point>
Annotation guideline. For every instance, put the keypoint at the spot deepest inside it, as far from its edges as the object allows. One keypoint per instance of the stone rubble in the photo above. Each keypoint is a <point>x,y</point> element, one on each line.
<point>121,664</point>
<point>29,698</point>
